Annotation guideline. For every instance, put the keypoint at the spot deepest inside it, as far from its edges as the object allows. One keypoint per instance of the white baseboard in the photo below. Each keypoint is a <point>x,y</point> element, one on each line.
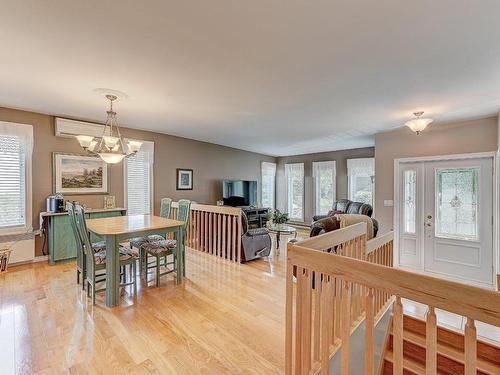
<point>41,258</point>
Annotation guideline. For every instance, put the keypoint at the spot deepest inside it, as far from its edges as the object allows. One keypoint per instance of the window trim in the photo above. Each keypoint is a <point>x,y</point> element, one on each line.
<point>295,219</point>
<point>26,130</point>
<point>274,166</point>
<point>147,144</point>
<point>349,175</point>
<point>315,185</point>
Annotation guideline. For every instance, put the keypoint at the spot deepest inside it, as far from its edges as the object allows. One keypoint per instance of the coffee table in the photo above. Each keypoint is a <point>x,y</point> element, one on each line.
<point>279,229</point>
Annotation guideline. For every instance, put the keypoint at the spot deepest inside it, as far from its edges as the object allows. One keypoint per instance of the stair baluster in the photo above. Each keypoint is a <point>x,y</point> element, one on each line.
<point>470,347</point>
<point>431,343</point>
<point>397,339</point>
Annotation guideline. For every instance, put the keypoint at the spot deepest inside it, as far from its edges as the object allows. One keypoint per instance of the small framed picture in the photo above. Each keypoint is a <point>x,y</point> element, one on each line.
<point>109,202</point>
<point>184,179</point>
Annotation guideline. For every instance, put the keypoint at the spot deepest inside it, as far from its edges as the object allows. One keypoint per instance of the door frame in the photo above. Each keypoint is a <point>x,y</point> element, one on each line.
<point>496,210</point>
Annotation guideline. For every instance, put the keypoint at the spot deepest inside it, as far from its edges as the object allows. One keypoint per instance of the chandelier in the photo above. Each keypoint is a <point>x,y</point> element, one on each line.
<point>418,124</point>
<point>110,147</point>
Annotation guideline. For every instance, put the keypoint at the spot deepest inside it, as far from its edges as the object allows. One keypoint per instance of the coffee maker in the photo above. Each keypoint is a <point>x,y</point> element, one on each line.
<point>55,203</point>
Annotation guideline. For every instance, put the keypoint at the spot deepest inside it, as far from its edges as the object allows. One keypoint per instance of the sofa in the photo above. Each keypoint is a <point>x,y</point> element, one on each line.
<point>327,223</point>
<point>346,206</point>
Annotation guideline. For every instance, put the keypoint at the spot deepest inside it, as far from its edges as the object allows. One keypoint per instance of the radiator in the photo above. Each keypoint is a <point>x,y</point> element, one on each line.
<point>22,245</point>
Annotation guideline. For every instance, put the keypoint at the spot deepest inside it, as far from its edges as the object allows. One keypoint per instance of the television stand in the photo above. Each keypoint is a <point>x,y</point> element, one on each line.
<point>257,217</point>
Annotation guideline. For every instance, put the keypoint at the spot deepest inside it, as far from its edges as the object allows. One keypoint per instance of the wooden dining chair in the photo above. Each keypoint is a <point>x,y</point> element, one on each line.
<point>162,249</point>
<point>81,263</point>
<point>137,242</point>
<point>96,260</point>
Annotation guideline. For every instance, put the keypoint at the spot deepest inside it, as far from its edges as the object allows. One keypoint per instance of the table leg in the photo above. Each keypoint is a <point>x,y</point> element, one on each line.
<point>183,252</point>
<point>278,241</point>
<point>112,271</point>
<point>178,255</point>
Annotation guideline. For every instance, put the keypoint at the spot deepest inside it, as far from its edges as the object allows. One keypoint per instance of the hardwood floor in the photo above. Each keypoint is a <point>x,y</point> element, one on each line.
<point>224,318</point>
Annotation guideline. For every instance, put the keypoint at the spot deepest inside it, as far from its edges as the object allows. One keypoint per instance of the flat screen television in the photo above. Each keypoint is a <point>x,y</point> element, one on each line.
<point>239,193</point>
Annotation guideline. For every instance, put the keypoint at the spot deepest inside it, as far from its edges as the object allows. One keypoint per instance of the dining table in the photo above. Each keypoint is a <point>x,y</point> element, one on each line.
<point>121,228</point>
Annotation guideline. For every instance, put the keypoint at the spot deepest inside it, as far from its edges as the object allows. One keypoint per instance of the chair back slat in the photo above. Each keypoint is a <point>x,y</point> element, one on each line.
<point>84,234</point>
<point>165,208</point>
<point>183,211</point>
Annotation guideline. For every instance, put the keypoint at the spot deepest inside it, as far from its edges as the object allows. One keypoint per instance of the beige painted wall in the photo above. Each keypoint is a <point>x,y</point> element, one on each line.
<point>340,158</point>
<point>439,139</point>
<point>211,163</point>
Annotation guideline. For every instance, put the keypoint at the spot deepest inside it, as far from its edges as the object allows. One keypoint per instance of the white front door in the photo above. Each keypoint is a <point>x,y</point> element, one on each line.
<point>446,218</point>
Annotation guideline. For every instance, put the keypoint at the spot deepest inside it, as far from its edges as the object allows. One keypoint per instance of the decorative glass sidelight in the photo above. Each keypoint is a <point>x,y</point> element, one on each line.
<point>410,196</point>
<point>457,203</point>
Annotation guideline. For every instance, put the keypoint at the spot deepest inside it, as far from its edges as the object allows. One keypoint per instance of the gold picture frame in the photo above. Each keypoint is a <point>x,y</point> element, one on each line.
<point>77,174</point>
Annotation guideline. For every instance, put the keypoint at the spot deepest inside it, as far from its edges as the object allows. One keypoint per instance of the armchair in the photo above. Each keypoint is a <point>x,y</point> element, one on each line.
<point>255,243</point>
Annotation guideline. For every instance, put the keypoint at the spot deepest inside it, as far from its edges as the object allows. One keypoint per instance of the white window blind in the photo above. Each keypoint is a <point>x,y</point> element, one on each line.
<point>16,147</point>
<point>361,177</point>
<point>324,186</point>
<point>294,174</point>
<point>268,172</point>
<point>139,181</point>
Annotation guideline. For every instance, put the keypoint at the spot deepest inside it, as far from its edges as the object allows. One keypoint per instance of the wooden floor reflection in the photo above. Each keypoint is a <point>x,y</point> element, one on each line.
<point>224,318</point>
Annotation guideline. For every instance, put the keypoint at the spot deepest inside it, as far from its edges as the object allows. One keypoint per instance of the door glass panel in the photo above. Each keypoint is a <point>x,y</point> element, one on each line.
<point>410,188</point>
<point>456,203</point>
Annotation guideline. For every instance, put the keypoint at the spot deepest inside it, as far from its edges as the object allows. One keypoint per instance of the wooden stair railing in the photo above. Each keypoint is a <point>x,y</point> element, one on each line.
<point>331,309</point>
<point>215,230</point>
<point>333,293</point>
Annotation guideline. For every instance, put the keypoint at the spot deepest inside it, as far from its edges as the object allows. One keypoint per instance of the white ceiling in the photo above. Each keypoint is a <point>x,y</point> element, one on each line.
<point>277,77</point>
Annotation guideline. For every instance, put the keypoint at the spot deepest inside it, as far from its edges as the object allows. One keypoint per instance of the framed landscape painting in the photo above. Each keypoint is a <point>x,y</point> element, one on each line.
<point>79,174</point>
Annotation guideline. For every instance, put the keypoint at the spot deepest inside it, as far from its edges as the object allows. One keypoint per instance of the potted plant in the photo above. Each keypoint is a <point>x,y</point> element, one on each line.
<point>278,218</point>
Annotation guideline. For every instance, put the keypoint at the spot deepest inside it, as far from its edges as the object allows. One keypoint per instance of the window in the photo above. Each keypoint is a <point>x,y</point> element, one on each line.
<point>268,171</point>
<point>410,198</point>
<point>457,203</point>
<point>324,186</point>
<point>361,178</point>
<point>16,147</point>
<point>294,174</point>
<point>139,181</point>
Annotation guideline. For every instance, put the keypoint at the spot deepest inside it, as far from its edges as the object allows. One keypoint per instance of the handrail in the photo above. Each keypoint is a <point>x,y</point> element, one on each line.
<point>462,299</point>
<point>334,238</point>
<point>377,242</point>
<point>215,230</point>
<point>227,210</point>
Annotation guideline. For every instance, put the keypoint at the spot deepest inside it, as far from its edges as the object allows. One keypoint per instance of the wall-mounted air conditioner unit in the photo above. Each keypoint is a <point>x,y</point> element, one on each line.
<point>69,128</point>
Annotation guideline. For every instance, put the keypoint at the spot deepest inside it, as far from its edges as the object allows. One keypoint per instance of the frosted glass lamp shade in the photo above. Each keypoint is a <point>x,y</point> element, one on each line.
<point>418,124</point>
<point>111,158</point>
<point>110,141</point>
<point>134,146</point>
<point>92,145</point>
<point>84,140</point>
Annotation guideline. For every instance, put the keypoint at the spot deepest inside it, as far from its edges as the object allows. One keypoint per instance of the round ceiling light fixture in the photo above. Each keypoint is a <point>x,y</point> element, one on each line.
<point>418,124</point>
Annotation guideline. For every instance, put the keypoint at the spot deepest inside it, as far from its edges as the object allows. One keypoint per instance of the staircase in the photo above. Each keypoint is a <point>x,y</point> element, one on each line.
<point>450,351</point>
